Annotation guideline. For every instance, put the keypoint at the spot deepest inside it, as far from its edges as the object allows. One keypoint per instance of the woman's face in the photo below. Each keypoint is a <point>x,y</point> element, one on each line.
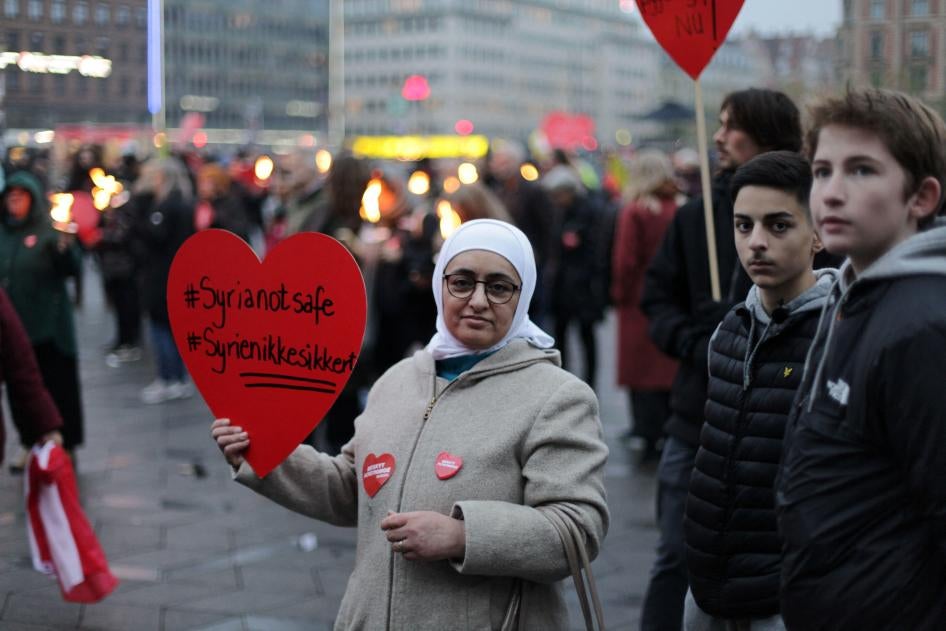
<point>474,321</point>
<point>18,203</point>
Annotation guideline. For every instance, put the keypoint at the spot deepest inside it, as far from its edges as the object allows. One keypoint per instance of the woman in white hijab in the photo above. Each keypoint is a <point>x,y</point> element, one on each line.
<point>462,452</point>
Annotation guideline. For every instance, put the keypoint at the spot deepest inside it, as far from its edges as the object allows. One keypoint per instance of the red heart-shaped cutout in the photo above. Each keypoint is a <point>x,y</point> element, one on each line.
<point>447,465</point>
<point>270,346</point>
<point>376,471</point>
<point>691,31</point>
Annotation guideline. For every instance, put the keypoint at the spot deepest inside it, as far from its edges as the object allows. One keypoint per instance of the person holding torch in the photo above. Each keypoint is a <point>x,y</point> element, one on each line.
<point>36,259</point>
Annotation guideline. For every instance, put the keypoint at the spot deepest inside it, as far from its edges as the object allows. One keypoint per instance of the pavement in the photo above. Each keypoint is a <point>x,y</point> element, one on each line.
<point>196,551</point>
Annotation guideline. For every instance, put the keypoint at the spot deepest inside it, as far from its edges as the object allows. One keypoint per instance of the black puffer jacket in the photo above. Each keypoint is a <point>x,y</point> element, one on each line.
<point>861,495</point>
<point>755,367</point>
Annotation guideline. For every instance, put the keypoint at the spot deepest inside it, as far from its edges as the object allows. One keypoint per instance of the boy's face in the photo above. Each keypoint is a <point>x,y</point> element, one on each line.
<point>858,196</point>
<point>775,239</point>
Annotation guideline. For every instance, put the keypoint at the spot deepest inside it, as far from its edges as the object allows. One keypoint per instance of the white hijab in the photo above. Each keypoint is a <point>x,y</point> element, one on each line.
<point>510,243</point>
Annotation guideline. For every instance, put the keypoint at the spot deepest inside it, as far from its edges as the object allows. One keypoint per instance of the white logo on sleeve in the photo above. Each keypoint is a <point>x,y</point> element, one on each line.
<point>839,391</point>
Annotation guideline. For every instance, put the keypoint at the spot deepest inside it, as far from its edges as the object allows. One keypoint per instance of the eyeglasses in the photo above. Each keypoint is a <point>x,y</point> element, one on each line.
<point>462,286</point>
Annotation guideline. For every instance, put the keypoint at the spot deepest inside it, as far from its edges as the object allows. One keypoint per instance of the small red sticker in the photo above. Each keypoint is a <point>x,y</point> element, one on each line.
<point>376,471</point>
<point>30,241</point>
<point>447,465</point>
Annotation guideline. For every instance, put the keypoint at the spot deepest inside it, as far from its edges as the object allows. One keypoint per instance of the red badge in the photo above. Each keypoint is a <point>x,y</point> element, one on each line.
<point>447,465</point>
<point>376,471</point>
<point>30,241</point>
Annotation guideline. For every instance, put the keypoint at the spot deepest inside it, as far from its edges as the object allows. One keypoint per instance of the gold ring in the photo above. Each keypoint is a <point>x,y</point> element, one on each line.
<point>399,545</point>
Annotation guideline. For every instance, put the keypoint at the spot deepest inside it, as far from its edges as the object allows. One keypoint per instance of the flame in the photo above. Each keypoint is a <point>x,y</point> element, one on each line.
<point>529,172</point>
<point>370,201</point>
<point>449,218</point>
<point>323,160</point>
<point>105,188</point>
<point>61,212</point>
<point>263,168</point>
<point>467,173</point>
<point>419,183</point>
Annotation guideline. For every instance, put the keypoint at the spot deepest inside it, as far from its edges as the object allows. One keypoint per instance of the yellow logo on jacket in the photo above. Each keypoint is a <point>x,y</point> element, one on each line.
<point>787,372</point>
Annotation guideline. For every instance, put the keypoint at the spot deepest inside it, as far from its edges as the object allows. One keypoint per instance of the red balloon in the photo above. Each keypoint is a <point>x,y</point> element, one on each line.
<point>691,31</point>
<point>269,345</point>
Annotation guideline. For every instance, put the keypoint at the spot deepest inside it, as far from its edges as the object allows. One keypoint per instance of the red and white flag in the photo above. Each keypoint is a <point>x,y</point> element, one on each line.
<point>61,540</point>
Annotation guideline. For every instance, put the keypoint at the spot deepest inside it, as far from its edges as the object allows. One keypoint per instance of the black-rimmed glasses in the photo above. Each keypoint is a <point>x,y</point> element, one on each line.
<point>462,286</point>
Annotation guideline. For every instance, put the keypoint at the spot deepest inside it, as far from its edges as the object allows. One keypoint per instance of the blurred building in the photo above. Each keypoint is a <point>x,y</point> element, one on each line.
<point>247,66</point>
<point>72,61</point>
<point>803,66</point>
<point>501,65</point>
<point>895,44</point>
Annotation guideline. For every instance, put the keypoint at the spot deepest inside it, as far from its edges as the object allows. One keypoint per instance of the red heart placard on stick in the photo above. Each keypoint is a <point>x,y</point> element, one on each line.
<point>690,31</point>
<point>269,345</point>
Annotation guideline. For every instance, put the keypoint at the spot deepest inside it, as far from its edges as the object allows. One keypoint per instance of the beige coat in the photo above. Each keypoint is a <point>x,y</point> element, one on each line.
<point>529,436</point>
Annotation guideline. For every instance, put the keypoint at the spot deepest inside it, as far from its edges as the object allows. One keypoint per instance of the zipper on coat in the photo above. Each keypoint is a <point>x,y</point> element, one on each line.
<point>427,412</point>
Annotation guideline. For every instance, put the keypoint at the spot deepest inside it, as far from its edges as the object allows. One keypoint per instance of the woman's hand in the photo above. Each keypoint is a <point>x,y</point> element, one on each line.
<point>425,535</point>
<point>232,441</point>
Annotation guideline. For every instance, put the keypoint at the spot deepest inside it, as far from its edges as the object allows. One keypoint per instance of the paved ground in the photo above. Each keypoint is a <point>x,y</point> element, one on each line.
<point>196,551</point>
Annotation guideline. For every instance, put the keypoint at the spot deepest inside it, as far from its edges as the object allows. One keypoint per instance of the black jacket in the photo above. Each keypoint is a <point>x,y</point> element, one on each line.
<point>755,367</point>
<point>862,489</point>
<point>678,301</point>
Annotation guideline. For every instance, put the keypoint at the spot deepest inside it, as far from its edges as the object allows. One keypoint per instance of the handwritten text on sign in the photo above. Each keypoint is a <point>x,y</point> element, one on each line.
<point>690,30</point>
<point>269,345</point>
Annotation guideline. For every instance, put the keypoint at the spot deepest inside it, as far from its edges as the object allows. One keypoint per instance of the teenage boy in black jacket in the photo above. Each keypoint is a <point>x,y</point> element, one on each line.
<point>756,358</point>
<point>861,496</point>
<point>678,302</point>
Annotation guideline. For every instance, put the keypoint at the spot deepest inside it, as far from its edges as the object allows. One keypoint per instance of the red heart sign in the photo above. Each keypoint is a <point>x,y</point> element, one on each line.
<point>447,465</point>
<point>270,346</point>
<point>375,472</point>
<point>690,31</point>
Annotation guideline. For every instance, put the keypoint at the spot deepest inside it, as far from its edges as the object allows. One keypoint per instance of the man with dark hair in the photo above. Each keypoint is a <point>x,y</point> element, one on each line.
<point>756,359</point>
<point>861,492</point>
<point>683,314</point>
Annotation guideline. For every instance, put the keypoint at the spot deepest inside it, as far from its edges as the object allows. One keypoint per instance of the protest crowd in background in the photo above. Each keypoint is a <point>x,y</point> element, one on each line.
<point>799,480</point>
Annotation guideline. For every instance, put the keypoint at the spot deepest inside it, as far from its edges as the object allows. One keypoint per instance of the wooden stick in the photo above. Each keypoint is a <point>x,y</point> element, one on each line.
<point>707,193</point>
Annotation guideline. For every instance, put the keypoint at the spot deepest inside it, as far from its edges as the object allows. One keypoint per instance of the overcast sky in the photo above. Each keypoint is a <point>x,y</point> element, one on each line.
<point>782,16</point>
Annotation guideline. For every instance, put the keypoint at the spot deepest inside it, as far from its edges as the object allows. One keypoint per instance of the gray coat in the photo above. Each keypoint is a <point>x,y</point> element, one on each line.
<point>529,436</point>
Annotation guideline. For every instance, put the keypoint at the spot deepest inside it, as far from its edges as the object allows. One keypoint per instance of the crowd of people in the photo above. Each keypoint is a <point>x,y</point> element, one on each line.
<point>793,408</point>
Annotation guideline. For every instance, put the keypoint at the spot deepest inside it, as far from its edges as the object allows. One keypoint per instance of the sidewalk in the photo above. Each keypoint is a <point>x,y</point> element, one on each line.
<point>194,550</point>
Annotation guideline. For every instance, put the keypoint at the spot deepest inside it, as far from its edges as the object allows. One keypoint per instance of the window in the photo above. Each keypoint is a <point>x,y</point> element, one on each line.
<point>877,45</point>
<point>11,8</point>
<point>102,14</point>
<point>141,17</point>
<point>877,78</point>
<point>13,81</point>
<point>878,9</point>
<point>34,9</point>
<point>57,11</point>
<point>920,8</point>
<point>919,44</point>
<point>13,40</point>
<point>59,44</point>
<point>122,15</point>
<point>918,78</point>
<point>80,12</point>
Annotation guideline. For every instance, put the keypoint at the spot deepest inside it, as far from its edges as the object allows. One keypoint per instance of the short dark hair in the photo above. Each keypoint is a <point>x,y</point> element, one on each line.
<point>913,133</point>
<point>769,117</point>
<point>787,171</point>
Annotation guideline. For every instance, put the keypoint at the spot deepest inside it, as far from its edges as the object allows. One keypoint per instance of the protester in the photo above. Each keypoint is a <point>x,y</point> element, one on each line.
<point>861,494</point>
<point>35,262</point>
<point>218,206</point>
<point>756,357</point>
<point>683,314</point>
<point>116,258</point>
<point>164,218</point>
<point>35,414</point>
<point>577,267</point>
<point>488,389</point>
<point>476,201</point>
<point>646,372</point>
